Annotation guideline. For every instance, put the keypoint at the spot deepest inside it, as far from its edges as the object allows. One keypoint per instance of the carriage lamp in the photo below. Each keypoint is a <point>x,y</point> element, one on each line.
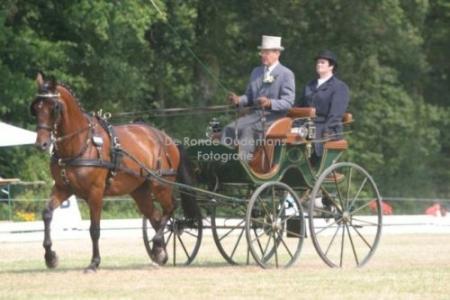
<point>301,131</point>
<point>311,129</point>
<point>213,127</point>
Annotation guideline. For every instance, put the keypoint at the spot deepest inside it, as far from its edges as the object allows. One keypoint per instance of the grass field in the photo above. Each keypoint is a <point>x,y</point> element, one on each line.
<point>404,267</point>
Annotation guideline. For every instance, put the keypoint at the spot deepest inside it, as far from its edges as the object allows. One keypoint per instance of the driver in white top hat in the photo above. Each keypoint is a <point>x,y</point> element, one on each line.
<point>272,88</point>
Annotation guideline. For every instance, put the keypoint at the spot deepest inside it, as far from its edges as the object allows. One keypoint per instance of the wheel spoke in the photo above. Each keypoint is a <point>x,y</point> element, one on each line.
<point>237,243</point>
<point>264,206</point>
<point>260,234</point>
<point>357,194</point>
<point>267,246</point>
<point>257,239</point>
<point>338,189</point>
<point>362,238</point>
<point>329,197</point>
<point>190,233</point>
<point>275,244</point>
<point>169,237</point>
<point>183,246</point>
<point>332,214</point>
<point>353,246</point>
<point>274,219</point>
<point>260,222</point>
<point>359,208</point>
<point>349,181</point>
<point>285,246</point>
<point>281,211</point>
<point>296,234</point>
<point>231,230</point>
<point>328,226</point>
<point>332,239</point>
<point>342,246</point>
<point>364,221</point>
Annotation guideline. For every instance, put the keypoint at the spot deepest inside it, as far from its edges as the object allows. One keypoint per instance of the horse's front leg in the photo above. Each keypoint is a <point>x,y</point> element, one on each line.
<point>95,209</point>
<point>57,196</point>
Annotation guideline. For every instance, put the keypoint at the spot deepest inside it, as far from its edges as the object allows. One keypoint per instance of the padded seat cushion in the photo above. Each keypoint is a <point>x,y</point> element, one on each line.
<point>302,112</point>
<point>336,145</point>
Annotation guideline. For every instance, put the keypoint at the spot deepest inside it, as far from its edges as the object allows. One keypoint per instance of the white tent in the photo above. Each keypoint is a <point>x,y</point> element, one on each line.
<point>13,136</point>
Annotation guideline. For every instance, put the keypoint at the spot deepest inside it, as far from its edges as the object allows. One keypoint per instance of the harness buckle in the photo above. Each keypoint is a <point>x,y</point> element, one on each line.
<point>64,177</point>
<point>116,142</point>
<point>61,163</point>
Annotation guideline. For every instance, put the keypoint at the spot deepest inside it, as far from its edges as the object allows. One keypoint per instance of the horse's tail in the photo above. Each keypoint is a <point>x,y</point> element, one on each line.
<point>185,176</point>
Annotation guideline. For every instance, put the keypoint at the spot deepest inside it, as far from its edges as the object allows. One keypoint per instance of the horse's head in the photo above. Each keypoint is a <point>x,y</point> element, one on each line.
<point>47,108</point>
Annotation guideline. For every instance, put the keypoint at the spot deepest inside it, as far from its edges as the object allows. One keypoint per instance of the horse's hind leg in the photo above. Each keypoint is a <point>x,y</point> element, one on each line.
<point>56,198</point>
<point>164,196</point>
<point>143,198</point>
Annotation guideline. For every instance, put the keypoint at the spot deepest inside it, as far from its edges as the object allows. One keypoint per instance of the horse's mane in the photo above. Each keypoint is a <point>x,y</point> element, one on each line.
<point>64,85</point>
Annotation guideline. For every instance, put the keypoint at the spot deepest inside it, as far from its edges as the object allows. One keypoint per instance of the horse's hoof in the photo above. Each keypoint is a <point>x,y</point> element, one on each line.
<point>51,260</point>
<point>90,270</point>
<point>160,256</point>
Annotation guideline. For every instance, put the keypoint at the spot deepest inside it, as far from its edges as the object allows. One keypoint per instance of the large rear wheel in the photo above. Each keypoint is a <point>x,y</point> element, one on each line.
<point>345,215</point>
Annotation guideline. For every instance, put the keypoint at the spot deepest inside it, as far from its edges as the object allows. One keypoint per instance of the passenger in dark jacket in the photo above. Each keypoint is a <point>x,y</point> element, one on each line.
<point>330,97</point>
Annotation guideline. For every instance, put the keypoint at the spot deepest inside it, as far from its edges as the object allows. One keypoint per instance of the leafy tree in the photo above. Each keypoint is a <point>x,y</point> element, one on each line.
<point>128,56</point>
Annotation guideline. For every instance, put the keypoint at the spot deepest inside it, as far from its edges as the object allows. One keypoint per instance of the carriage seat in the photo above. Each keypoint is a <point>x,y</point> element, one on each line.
<point>302,112</point>
<point>310,112</point>
<point>340,144</point>
<point>262,162</point>
<point>336,145</point>
<point>279,129</point>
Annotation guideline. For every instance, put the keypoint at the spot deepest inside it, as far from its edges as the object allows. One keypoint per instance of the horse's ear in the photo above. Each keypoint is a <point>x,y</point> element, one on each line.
<point>52,83</point>
<point>40,79</point>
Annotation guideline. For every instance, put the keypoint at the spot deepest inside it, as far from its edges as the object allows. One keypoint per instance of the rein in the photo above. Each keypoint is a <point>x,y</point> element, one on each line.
<point>77,132</point>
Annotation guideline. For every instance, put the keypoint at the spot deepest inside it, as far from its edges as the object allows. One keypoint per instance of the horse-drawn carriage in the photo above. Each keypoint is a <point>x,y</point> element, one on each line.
<point>271,199</point>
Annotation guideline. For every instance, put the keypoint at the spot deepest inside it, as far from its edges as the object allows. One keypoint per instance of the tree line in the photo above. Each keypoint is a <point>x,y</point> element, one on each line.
<point>130,56</point>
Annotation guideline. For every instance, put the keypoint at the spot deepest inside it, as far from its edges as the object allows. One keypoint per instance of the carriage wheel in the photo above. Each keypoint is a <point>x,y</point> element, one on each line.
<point>275,226</point>
<point>345,215</point>
<point>182,237</point>
<point>228,234</point>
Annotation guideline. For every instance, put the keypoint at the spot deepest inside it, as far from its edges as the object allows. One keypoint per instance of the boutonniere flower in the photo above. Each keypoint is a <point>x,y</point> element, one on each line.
<point>269,79</point>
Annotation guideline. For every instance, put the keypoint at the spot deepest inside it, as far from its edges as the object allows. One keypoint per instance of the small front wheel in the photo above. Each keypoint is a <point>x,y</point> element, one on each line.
<point>275,225</point>
<point>182,237</point>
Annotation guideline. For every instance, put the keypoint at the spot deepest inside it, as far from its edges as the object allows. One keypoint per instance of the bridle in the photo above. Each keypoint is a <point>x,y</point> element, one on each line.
<point>56,112</point>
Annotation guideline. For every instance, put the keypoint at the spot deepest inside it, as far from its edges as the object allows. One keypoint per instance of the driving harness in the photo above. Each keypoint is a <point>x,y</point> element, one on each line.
<point>114,165</point>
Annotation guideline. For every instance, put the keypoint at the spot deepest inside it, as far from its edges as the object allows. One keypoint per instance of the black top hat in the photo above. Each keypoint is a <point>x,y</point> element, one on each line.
<point>327,54</point>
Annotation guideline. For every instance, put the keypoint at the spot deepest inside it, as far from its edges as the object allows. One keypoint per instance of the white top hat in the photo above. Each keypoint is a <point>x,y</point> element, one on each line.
<point>271,43</point>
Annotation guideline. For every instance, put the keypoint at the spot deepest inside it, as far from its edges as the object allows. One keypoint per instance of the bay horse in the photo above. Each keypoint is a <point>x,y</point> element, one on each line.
<point>92,159</point>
